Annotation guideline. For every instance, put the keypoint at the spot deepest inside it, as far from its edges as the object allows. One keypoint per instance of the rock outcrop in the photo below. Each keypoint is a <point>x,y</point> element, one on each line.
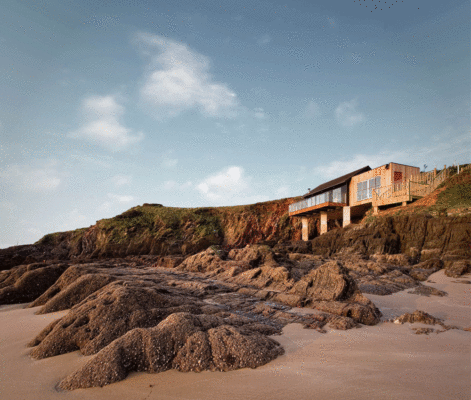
<point>182,341</point>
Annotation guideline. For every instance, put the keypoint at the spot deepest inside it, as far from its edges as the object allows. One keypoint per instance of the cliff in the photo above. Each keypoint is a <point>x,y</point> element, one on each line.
<point>435,226</point>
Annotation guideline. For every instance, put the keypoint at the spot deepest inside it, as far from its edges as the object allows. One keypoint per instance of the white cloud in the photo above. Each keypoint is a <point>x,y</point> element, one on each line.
<point>265,39</point>
<point>102,125</point>
<point>338,168</point>
<point>120,198</point>
<point>229,187</point>
<point>178,80</point>
<point>347,115</point>
<point>121,180</point>
<point>42,177</point>
<point>312,110</point>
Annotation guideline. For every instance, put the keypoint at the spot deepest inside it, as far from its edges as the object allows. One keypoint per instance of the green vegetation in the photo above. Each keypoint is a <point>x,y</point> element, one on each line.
<point>457,193</point>
<point>162,223</point>
<point>370,218</point>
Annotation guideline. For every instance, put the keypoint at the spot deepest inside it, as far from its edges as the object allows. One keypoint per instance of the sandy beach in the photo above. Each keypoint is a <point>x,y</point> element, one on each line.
<point>386,361</point>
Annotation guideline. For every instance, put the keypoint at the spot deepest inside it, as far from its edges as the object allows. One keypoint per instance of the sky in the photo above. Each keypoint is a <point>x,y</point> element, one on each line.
<point>109,105</point>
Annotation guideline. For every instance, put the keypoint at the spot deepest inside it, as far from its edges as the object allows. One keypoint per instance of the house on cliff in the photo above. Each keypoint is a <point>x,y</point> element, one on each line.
<point>356,192</point>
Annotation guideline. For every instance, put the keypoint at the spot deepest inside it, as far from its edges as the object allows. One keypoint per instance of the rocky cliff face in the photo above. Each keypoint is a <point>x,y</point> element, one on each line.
<point>421,231</point>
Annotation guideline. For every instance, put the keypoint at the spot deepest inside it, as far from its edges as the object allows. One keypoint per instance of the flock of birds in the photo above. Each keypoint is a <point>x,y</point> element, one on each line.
<point>376,6</point>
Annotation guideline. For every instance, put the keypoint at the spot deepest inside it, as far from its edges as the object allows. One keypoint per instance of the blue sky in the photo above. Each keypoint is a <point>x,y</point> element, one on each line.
<point>105,105</point>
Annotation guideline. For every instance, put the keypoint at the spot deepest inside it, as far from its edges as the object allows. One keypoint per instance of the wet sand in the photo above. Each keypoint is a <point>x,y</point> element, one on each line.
<point>386,361</point>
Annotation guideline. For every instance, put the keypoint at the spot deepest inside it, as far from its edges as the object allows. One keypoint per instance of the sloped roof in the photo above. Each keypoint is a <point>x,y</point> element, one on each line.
<point>336,182</point>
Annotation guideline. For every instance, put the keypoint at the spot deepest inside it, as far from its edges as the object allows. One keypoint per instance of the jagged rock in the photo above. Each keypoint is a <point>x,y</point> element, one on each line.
<point>423,331</point>
<point>342,323</point>
<point>421,274</point>
<point>254,255</point>
<point>182,341</point>
<point>457,268</point>
<point>294,246</point>
<point>106,315</point>
<point>204,261</point>
<point>418,316</point>
<point>428,291</point>
<point>330,288</point>
<point>74,285</point>
<point>328,282</point>
<point>26,282</point>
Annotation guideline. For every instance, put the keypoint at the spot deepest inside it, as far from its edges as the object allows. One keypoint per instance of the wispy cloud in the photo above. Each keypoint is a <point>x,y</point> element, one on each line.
<point>347,114</point>
<point>341,167</point>
<point>265,39</point>
<point>178,79</point>
<point>102,124</point>
<point>44,176</point>
<point>229,186</point>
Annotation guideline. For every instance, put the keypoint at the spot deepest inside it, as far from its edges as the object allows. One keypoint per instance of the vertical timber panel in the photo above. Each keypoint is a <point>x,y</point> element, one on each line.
<point>346,216</point>
<point>305,231</point>
<point>323,222</point>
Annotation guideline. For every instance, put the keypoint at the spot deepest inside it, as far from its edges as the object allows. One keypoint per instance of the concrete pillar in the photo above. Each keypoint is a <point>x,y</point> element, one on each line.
<point>404,203</point>
<point>323,222</point>
<point>375,210</point>
<point>346,216</point>
<point>305,231</point>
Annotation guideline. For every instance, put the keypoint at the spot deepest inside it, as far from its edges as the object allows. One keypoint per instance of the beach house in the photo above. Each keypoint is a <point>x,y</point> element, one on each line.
<point>356,192</point>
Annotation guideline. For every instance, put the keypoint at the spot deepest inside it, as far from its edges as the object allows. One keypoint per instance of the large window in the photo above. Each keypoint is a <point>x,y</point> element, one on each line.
<point>365,188</point>
<point>338,195</point>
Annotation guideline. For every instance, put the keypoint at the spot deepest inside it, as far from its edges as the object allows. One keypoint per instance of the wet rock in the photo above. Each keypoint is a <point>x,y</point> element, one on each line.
<point>423,331</point>
<point>183,342</point>
<point>71,288</point>
<point>106,315</point>
<point>428,291</point>
<point>329,282</point>
<point>330,288</point>
<point>26,282</point>
<point>420,274</point>
<point>418,316</point>
<point>455,269</point>
<point>342,323</point>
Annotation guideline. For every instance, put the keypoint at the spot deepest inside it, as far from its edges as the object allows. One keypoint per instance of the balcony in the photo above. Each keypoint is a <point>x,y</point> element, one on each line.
<point>329,200</point>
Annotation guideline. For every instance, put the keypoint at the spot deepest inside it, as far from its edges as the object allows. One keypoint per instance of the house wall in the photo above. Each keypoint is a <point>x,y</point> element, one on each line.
<point>406,170</point>
<point>387,174</point>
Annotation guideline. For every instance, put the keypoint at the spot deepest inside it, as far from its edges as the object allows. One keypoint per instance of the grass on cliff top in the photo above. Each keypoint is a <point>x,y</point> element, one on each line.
<point>157,221</point>
<point>56,237</point>
<point>456,193</point>
<point>162,222</point>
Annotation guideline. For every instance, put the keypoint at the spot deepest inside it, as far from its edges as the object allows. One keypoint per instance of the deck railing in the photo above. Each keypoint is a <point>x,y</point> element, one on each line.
<point>311,202</point>
<point>416,186</point>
